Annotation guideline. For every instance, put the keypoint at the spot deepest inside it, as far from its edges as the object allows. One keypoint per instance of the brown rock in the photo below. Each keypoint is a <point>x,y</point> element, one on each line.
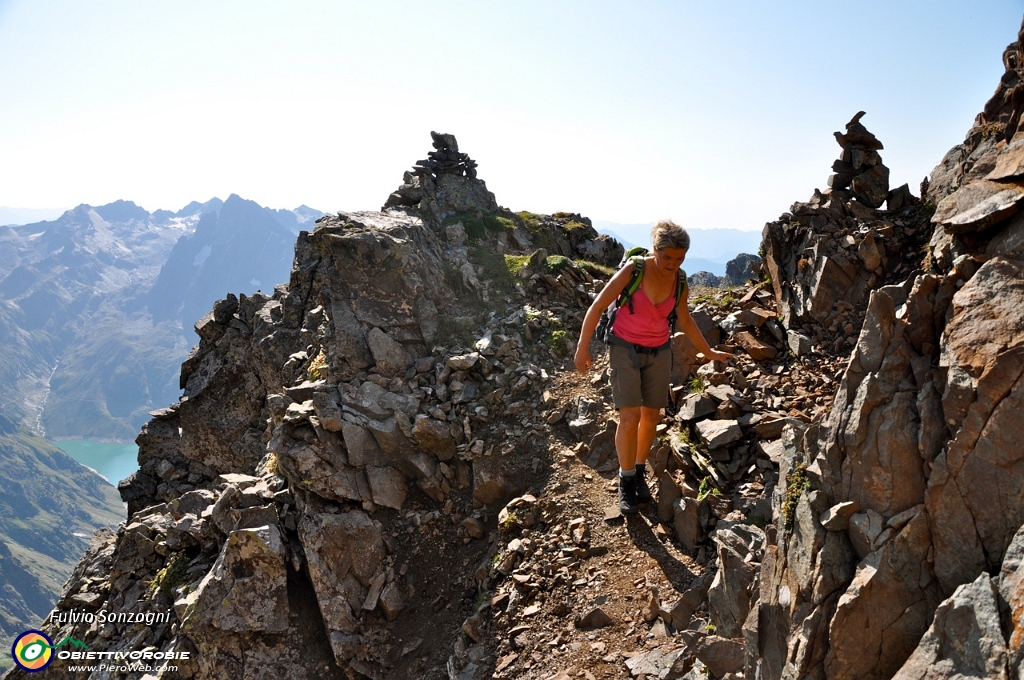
<point>965,639</point>
<point>757,350</point>
<point>1009,162</point>
<point>720,655</point>
<point>885,610</point>
<point>387,486</point>
<point>434,436</point>
<point>974,511</point>
<point>719,433</point>
<point>595,618</point>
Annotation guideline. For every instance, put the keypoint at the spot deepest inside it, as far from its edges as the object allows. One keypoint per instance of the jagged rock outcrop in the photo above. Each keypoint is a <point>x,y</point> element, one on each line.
<point>921,444</point>
<point>705,279</point>
<point>826,255</point>
<point>744,267</point>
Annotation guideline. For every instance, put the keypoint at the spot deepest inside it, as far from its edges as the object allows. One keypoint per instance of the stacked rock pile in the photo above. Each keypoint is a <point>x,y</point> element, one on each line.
<point>860,168</point>
<point>445,159</point>
<point>826,255</point>
<point>445,181</point>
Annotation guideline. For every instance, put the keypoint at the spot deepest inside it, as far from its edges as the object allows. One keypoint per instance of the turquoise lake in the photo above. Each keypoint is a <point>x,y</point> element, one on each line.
<point>113,461</point>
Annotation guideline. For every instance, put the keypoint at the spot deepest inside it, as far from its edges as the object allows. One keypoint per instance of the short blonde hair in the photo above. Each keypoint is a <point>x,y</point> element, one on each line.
<point>668,234</point>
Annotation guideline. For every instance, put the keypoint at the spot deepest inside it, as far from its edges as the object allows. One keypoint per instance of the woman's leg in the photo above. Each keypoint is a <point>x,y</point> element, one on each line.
<point>625,447</point>
<point>626,436</point>
<point>647,428</point>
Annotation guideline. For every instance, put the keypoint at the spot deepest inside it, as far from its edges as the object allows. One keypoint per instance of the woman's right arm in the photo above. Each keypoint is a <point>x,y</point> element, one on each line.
<point>606,297</point>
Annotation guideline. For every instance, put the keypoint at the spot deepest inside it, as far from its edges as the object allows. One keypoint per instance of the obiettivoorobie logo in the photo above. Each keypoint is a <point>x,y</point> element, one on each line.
<point>33,650</point>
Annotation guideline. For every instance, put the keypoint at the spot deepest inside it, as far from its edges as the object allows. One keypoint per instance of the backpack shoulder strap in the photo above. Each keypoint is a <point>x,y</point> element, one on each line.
<point>633,285</point>
<point>681,285</point>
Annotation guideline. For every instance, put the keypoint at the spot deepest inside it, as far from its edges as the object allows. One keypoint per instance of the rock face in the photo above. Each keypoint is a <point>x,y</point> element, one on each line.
<point>920,437</point>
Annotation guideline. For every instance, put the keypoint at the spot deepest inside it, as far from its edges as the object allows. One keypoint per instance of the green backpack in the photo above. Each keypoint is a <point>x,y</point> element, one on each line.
<point>636,255</point>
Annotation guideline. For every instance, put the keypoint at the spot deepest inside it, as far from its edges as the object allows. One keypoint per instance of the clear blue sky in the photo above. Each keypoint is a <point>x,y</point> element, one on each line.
<point>716,114</point>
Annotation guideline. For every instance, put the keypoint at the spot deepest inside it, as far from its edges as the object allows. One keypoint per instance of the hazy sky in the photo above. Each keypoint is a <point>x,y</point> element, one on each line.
<point>716,114</point>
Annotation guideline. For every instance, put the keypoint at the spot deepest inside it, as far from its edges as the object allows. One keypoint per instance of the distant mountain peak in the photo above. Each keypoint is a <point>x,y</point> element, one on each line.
<point>197,208</point>
<point>122,211</point>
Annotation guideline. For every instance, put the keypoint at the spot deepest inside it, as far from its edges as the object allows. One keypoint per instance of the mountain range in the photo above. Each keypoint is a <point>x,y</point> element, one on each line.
<point>97,306</point>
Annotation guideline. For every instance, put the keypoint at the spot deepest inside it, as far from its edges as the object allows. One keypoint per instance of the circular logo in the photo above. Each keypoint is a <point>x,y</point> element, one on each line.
<point>32,651</point>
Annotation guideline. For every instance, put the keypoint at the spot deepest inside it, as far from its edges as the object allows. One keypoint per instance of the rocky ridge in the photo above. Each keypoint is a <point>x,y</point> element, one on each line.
<point>908,514</point>
<point>389,465</point>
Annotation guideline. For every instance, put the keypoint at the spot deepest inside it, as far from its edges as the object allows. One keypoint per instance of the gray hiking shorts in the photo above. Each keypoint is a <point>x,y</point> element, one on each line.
<point>639,378</point>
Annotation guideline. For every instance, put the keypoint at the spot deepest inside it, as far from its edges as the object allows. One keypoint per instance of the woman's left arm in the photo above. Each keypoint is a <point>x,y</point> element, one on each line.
<point>687,325</point>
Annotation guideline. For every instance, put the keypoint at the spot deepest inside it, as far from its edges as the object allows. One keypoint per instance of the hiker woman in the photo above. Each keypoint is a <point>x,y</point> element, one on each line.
<point>639,342</point>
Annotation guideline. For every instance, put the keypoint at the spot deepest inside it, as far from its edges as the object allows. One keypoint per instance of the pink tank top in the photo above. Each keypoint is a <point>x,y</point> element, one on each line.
<point>647,325</point>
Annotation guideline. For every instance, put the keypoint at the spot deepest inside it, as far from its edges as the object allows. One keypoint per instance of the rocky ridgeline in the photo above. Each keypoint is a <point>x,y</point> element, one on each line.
<point>716,466</point>
<point>738,271</point>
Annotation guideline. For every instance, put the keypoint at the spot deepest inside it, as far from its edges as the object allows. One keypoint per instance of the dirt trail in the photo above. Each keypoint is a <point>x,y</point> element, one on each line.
<point>627,560</point>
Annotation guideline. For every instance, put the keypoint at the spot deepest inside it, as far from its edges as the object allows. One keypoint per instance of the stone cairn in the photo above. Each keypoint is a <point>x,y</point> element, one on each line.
<point>444,160</point>
<point>859,168</point>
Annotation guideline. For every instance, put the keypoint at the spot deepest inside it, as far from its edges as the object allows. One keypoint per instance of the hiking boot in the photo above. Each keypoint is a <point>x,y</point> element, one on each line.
<point>643,492</point>
<point>628,503</point>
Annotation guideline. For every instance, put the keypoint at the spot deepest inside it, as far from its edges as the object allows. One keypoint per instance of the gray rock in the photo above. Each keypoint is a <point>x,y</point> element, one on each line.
<point>387,486</point>
<point>362,447</point>
<point>864,529</point>
<point>328,411</point>
<point>463,362</point>
<point>731,590</point>
<point>799,344</point>
<point>247,589</point>
<point>668,662</point>
<point>838,517</point>
<point>741,269</point>
<point>344,553</point>
<point>695,406</point>
<point>686,522</point>
<point>719,433</point>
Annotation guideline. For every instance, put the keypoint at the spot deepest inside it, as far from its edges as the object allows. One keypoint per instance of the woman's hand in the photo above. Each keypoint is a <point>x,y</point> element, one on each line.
<point>582,359</point>
<point>715,355</point>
